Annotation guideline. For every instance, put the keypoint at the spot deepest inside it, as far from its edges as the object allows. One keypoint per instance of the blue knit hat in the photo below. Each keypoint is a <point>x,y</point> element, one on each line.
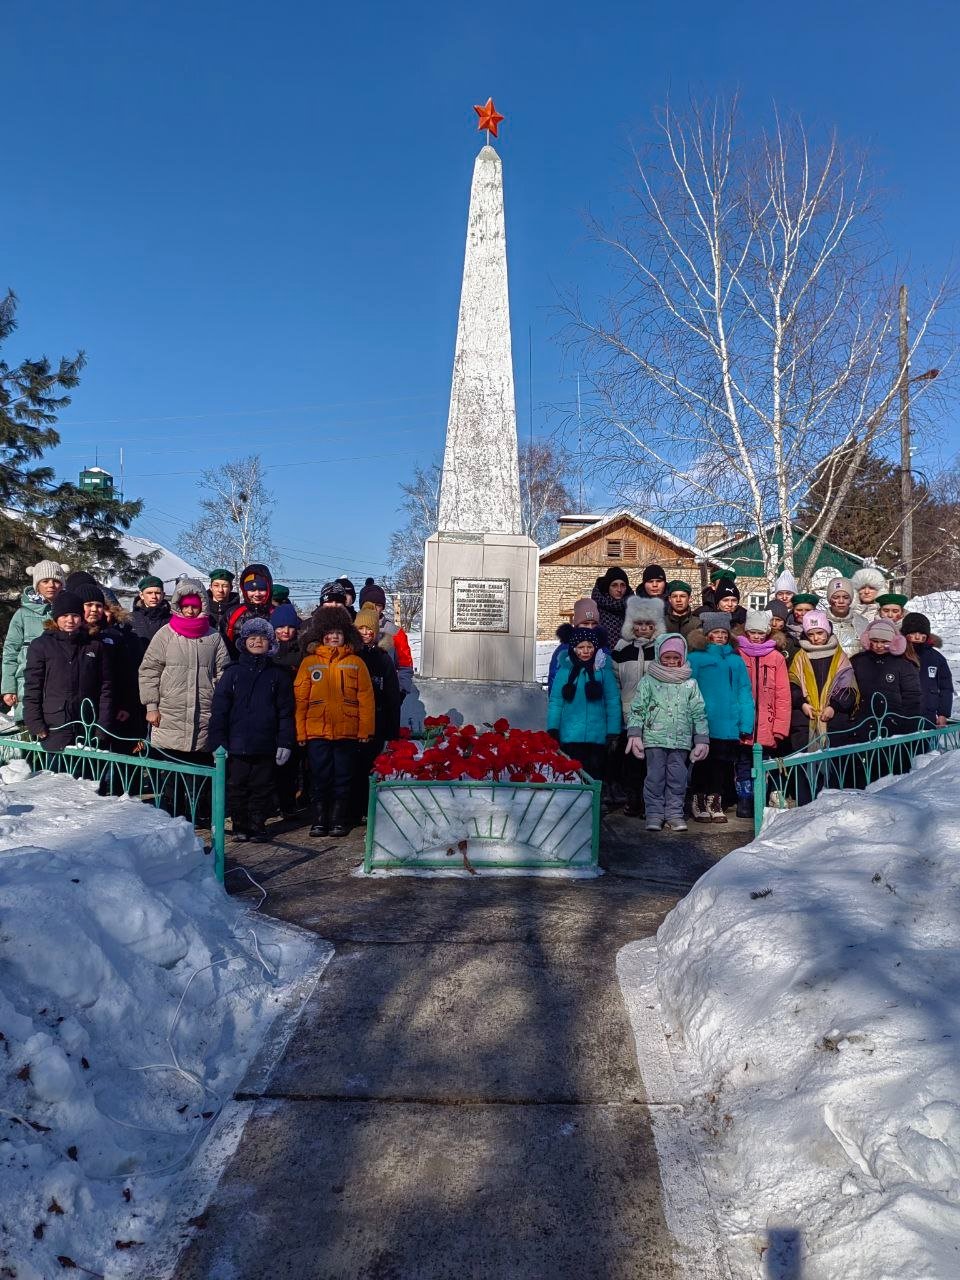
<point>285,615</point>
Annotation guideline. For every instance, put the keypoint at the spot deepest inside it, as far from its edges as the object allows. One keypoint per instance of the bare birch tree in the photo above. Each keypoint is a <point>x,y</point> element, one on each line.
<point>234,525</point>
<point>754,331</point>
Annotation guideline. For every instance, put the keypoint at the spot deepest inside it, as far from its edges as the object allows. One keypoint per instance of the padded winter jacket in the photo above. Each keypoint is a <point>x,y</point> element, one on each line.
<point>334,695</point>
<point>25,625</point>
<point>668,715</point>
<point>682,623</point>
<point>177,678</point>
<point>145,623</point>
<point>253,708</point>
<point>848,630</point>
<point>888,683</point>
<point>386,691</point>
<point>64,668</point>
<point>629,662</point>
<point>583,719</point>
<point>725,686</point>
<point>770,686</point>
<point>936,683</point>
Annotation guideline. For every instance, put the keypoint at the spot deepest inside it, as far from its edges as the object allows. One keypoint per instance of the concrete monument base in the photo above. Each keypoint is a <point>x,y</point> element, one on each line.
<point>480,607</point>
<point>523,703</point>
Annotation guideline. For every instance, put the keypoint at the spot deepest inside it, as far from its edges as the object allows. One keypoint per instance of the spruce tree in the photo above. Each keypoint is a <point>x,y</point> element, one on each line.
<point>40,518</point>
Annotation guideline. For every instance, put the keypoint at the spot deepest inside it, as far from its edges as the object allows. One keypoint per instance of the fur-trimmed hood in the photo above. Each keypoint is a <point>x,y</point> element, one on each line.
<point>325,617</point>
<point>644,609</point>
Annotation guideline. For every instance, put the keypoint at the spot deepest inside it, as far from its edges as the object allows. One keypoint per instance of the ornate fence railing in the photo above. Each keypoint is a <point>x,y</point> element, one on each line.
<point>197,792</point>
<point>874,750</point>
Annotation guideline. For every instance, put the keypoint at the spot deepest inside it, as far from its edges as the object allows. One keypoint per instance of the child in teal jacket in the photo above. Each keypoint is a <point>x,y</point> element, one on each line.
<point>583,712</point>
<point>666,719</point>
<point>725,684</point>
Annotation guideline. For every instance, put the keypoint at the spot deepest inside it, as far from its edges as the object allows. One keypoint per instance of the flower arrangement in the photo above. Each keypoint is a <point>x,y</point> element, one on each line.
<point>497,753</point>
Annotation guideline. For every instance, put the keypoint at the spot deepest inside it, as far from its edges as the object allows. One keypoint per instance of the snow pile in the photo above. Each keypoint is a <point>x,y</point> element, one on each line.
<point>133,994</point>
<point>812,977</point>
<point>943,610</point>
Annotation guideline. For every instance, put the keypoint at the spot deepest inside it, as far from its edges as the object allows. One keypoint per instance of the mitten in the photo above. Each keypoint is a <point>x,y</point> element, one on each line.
<point>283,755</point>
<point>699,752</point>
<point>634,747</point>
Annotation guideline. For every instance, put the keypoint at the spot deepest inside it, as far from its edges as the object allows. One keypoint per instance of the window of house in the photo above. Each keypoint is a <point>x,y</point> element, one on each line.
<point>757,600</point>
<point>614,549</point>
<point>630,550</point>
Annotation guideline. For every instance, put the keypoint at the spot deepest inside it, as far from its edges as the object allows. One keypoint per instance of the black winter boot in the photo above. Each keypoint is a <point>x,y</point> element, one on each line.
<point>340,826</point>
<point>321,826</point>
<point>744,806</point>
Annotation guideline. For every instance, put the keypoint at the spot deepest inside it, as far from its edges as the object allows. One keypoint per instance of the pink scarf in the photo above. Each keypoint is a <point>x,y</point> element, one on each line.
<point>190,628</point>
<point>755,650</point>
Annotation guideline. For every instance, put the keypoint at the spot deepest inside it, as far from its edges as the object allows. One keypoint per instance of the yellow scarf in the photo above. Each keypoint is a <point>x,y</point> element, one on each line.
<point>802,675</point>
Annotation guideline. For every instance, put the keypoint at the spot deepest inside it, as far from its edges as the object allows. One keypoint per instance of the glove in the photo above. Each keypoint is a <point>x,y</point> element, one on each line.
<point>699,752</point>
<point>283,755</point>
<point>634,747</point>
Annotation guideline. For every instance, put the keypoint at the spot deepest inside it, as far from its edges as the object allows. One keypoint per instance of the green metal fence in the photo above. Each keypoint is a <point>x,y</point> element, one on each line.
<point>511,826</point>
<point>194,791</point>
<point>797,778</point>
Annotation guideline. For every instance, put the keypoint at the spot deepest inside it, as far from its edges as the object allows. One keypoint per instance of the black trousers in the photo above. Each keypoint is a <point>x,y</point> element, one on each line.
<point>286,780</point>
<point>174,797</point>
<point>331,768</point>
<point>249,791</point>
<point>592,755</point>
<point>715,775</point>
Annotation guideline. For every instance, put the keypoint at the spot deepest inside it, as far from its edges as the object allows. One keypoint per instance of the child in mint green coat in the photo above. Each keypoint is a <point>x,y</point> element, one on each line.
<point>667,726</point>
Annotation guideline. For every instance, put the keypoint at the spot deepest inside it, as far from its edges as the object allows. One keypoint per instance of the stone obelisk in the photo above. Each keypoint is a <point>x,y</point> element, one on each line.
<point>480,571</point>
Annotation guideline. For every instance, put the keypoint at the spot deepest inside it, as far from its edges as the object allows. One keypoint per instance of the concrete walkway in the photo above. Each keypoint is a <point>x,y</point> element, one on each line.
<point>460,1097</point>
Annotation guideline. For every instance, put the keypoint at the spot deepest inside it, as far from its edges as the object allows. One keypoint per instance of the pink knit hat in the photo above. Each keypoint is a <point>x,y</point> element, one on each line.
<point>816,620</point>
<point>585,611</point>
<point>672,644</point>
<point>884,629</point>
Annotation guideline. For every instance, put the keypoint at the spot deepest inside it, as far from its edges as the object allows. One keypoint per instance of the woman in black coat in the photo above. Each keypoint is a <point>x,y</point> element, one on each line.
<point>64,667</point>
<point>889,683</point>
<point>387,700</point>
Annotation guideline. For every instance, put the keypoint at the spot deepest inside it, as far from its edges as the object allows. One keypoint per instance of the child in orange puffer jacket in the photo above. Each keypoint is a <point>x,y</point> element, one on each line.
<point>335,712</point>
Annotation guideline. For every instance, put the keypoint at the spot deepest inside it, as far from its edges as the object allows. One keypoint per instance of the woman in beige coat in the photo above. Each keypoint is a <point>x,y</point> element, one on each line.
<point>183,662</point>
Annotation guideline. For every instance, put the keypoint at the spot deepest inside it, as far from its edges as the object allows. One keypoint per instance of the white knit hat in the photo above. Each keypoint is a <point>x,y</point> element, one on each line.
<point>869,576</point>
<point>786,582</point>
<point>757,621</point>
<point>47,569</point>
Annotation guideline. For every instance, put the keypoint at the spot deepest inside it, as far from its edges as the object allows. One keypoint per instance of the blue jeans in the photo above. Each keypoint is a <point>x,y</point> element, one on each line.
<point>665,785</point>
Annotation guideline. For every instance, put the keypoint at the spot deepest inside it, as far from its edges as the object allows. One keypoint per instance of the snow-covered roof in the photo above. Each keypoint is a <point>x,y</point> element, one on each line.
<point>603,522</point>
<point>168,566</point>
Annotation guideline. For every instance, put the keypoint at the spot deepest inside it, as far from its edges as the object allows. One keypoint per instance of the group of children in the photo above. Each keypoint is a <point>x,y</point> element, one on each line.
<point>296,706</point>
<point>664,702</point>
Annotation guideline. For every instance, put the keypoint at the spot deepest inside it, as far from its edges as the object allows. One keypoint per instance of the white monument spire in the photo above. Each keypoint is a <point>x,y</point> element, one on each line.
<point>480,486</point>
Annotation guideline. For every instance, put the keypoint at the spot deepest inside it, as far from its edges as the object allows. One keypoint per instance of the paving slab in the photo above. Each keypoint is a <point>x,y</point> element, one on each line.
<point>367,1191</point>
<point>509,1022</point>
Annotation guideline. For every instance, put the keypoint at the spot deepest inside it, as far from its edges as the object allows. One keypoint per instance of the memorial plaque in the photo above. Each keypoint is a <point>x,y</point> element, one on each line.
<point>480,604</point>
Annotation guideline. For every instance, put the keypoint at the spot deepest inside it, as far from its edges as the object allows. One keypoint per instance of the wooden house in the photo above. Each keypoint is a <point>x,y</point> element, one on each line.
<point>589,545</point>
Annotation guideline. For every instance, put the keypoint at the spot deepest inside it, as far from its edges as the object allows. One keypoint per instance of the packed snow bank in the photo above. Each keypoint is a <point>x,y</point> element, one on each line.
<point>813,978</point>
<point>133,994</point>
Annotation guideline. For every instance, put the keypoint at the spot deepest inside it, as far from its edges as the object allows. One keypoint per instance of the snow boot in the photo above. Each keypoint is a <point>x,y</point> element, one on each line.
<point>700,809</point>
<point>340,824</point>
<point>715,809</point>
<point>744,789</point>
<point>675,824</point>
<point>321,826</point>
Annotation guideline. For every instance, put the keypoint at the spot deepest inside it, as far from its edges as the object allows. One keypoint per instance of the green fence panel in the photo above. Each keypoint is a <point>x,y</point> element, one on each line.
<point>506,825</point>
<point>194,791</point>
<point>802,775</point>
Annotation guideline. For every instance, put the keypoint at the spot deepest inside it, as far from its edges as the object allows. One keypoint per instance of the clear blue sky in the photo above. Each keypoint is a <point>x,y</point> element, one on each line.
<point>251,216</point>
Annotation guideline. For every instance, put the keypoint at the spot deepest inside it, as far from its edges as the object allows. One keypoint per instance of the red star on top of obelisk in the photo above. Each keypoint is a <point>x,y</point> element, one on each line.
<point>489,117</point>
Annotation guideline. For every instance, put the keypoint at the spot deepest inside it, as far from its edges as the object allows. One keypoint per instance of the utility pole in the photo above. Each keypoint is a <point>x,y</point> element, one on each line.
<point>906,474</point>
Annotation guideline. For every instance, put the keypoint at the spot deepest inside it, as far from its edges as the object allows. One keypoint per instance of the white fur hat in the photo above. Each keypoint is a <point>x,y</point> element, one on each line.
<point>757,621</point>
<point>786,582</point>
<point>869,576</point>
<point>646,609</point>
